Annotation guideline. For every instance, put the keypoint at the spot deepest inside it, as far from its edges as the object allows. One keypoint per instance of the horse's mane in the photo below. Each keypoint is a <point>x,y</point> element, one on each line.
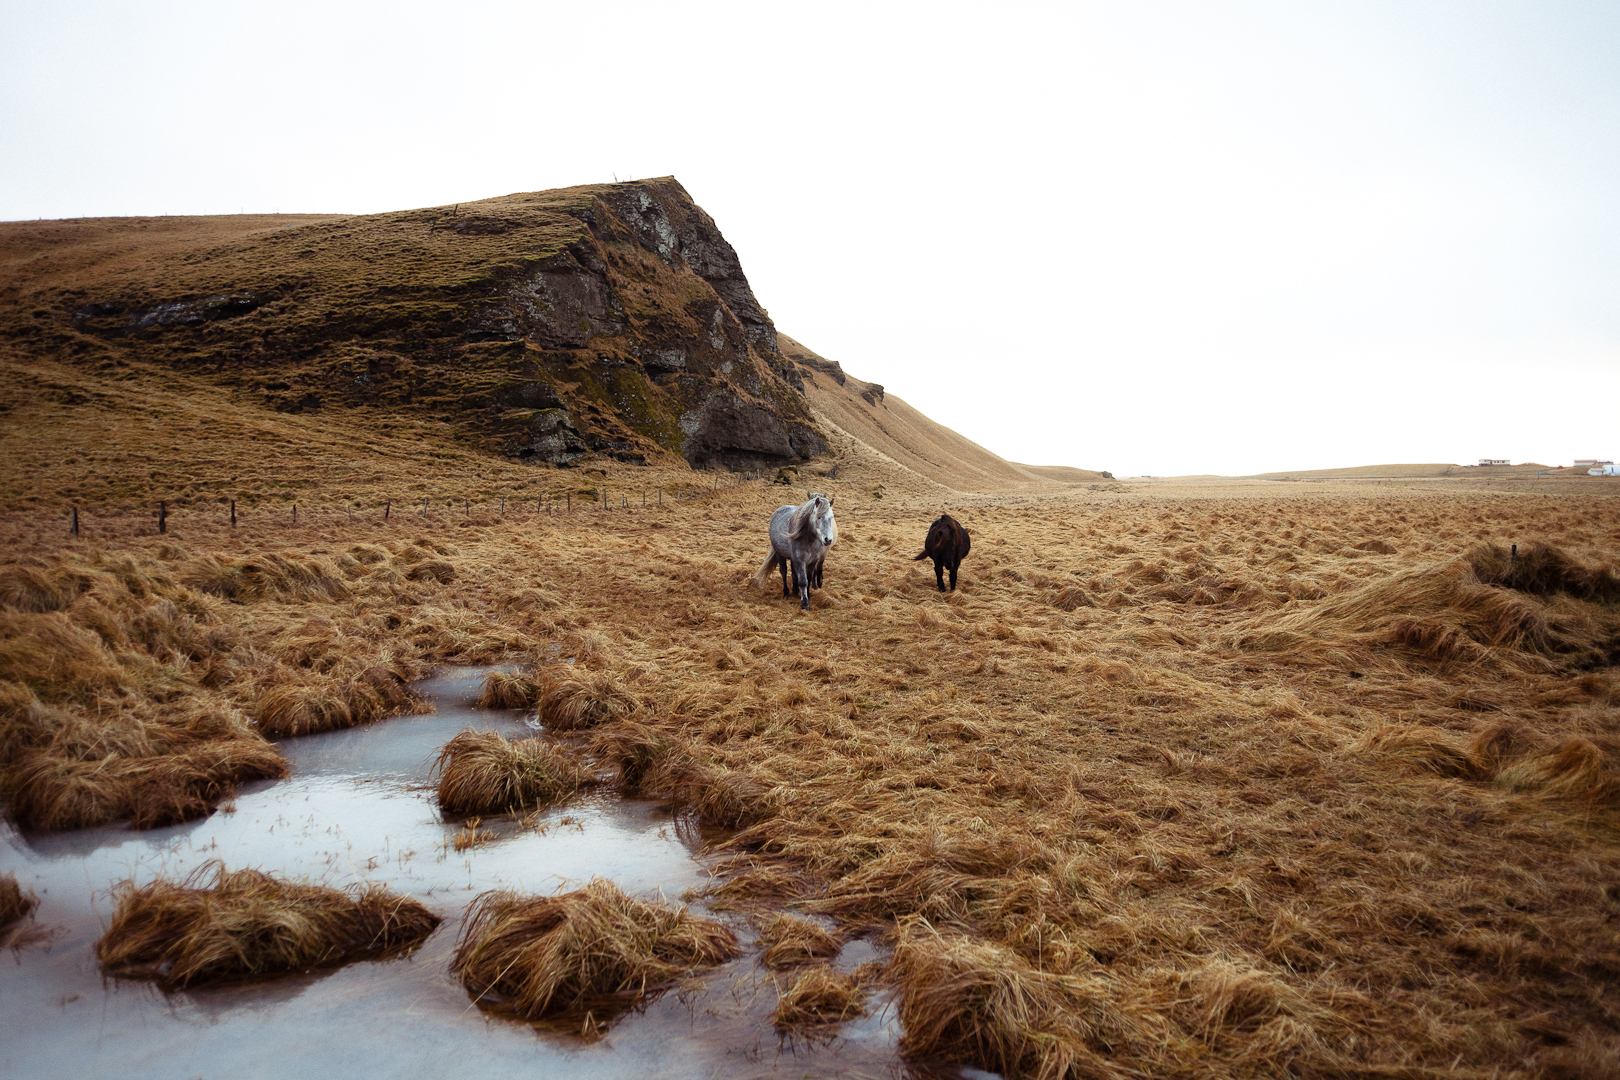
<point>799,520</point>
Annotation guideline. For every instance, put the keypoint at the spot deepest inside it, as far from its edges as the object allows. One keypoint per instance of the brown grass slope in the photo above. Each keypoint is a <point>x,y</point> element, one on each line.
<point>246,924</point>
<point>891,433</point>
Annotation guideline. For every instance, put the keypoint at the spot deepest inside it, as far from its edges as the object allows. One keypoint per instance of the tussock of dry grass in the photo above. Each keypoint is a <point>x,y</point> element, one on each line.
<point>349,697</point>
<point>819,997</point>
<point>508,690</point>
<point>788,942</point>
<point>246,924</point>
<point>580,699</point>
<point>977,1002</point>
<point>594,949</point>
<point>481,772</point>
<point>15,905</point>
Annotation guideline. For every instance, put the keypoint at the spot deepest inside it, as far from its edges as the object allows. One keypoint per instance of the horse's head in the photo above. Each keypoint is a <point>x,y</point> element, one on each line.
<point>821,519</point>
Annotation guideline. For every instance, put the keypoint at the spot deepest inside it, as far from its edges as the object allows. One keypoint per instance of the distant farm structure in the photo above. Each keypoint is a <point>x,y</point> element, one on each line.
<point>1495,461</point>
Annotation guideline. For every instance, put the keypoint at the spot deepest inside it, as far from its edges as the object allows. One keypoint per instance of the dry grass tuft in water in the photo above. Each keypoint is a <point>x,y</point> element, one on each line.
<point>508,690</point>
<point>819,997</point>
<point>350,700</point>
<point>482,773</point>
<point>246,924</point>
<point>594,949</point>
<point>788,942</point>
<point>582,699</point>
<point>969,1000</point>
<point>15,905</point>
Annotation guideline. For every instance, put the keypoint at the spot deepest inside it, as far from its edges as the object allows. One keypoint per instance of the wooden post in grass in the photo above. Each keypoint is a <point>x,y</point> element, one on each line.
<point>570,498</point>
<point>424,506</point>
<point>295,513</point>
<point>387,506</point>
<point>233,513</point>
<point>350,511</point>
<point>1513,558</point>
<point>503,506</point>
<point>163,517</point>
<point>75,521</point>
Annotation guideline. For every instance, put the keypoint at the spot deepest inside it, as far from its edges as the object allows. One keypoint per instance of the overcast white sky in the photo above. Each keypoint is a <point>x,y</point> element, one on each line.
<point>1159,238</point>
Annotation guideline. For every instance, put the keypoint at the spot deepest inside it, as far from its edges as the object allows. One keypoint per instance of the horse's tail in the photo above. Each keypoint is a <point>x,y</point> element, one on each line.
<point>762,576</point>
<point>920,557</point>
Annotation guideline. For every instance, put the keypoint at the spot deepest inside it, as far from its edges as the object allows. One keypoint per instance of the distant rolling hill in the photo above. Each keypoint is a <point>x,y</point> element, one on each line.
<point>1367,472</point>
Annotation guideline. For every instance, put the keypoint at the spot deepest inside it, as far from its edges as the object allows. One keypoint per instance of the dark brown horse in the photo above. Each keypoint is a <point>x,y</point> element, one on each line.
<point>947,545</point>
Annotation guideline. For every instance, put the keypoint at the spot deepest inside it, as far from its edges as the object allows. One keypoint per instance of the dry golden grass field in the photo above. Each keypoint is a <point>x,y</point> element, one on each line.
<point>1225,779</point>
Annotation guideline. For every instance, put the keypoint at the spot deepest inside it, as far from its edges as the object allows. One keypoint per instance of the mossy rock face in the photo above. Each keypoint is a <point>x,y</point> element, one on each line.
<point>608,320</point>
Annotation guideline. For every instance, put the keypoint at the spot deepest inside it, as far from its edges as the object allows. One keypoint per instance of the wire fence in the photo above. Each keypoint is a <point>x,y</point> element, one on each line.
<point>598,499</point>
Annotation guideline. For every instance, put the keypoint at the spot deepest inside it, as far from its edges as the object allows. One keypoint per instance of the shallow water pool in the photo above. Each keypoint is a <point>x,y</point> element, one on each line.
<point>358,807</point>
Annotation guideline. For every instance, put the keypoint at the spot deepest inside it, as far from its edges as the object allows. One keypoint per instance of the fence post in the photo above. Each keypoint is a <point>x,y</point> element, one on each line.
<point>295,513</point>
<point>163,517</point>
<point>75,521</point>
<point>503,506</point>
<point>233,513</point>
<point>387,506</point>
<point>570,506</point>
<point>424,506</point>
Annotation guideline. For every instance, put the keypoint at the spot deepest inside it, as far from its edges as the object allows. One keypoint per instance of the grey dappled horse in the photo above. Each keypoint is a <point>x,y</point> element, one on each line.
<point>800,537</point>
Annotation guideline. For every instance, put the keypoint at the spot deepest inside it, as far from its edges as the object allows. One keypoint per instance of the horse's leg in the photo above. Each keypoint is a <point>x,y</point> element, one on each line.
<point>954,565</point>
<point>939,575</point>
<point>786,565</point>
<point>801,575</point>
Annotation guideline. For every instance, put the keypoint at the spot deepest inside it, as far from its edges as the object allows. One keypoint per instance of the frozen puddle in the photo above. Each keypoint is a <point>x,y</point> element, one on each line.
<point>357,808</point>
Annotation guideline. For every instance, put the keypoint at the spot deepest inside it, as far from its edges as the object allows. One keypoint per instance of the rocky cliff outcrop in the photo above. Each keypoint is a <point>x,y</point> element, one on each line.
<point>610,319</point>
